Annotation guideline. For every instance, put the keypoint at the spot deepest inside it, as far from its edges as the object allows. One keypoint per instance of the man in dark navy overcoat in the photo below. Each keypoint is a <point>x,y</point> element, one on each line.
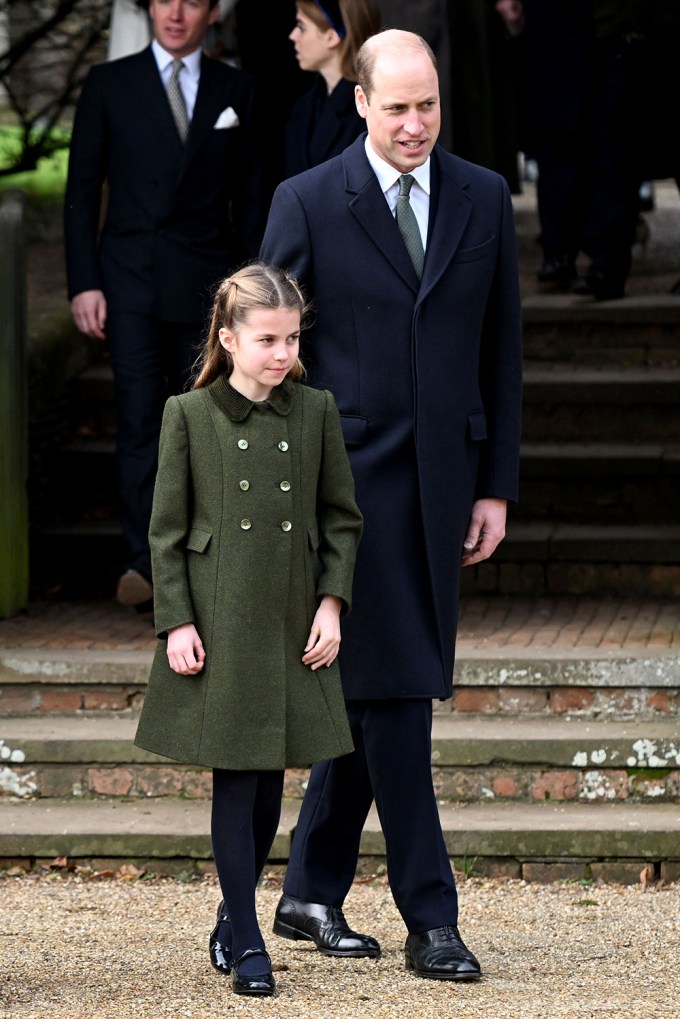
<point>424,359</point>
<point>170,133</point>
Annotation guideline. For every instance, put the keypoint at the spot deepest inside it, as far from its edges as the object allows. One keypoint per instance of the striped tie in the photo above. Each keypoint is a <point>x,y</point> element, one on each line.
<point>178,107</point>
<point>408,224</point>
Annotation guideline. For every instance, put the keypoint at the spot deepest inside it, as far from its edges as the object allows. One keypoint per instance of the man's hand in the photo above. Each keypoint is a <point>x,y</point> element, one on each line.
<point>486,530</point>
<point>185,650</point>
<point>89,313</point>
<point>324,637</point>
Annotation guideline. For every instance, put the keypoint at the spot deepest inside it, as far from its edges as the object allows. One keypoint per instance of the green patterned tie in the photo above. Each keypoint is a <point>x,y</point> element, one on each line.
<point>178,106</point>
<point>408,224</point>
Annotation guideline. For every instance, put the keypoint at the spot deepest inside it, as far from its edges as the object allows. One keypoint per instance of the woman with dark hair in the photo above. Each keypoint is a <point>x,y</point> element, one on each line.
<point>327,36</point>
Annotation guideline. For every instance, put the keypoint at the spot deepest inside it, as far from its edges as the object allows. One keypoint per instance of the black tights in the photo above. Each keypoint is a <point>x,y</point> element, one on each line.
<point>246,808</point>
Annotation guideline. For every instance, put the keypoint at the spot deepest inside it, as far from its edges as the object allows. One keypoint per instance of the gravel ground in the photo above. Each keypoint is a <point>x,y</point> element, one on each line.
<point>74,948</point>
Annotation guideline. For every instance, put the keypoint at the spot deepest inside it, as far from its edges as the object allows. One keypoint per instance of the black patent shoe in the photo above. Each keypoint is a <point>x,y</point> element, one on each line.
<point>260,984</point>
<point>440,954</point>
<point>325,926</point>
<point>220,953</point>
<point>600,286</point>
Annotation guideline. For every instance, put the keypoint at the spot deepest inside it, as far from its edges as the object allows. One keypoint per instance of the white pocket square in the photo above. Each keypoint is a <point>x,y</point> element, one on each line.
<point>227,118</point>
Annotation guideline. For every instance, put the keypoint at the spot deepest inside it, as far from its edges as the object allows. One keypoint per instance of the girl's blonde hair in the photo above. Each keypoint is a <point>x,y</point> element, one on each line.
<point>255,286</point>
<point>361,19</point>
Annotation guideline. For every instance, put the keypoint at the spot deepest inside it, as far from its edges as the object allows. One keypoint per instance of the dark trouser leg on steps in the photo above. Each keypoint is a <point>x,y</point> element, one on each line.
<point>245,814</point>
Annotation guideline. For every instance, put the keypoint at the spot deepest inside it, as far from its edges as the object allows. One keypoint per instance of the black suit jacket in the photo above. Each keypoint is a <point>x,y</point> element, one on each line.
<point>178,217</point>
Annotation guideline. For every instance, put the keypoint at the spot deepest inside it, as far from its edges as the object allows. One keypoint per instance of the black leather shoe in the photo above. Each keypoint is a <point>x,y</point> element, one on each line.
<point>440,954</point>
<point>325,926</point>
<point>220,953</point>
<point>675,289</point>
<point>599,286</point>
<point>261,984</point>
<point>557,270</point>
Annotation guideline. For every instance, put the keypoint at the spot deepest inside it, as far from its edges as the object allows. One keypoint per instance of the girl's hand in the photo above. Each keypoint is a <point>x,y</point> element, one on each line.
<point>185,650</point>
<point>324,637</point>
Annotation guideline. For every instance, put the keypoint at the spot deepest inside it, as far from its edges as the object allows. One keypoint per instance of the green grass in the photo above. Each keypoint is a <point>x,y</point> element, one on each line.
<point>47,182</point>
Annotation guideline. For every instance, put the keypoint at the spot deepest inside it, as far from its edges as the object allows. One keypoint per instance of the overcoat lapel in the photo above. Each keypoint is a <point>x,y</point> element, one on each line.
<point>372,212</point>
<point>209,104</point>
<point>450,208</point>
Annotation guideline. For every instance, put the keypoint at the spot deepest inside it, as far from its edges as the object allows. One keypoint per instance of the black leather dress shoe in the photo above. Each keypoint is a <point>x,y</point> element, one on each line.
<point>260,984</point>
<point>599,286</point>
<point>220,953</point>
<point>325,926</point>
<point>557,270</point>
<point>440,954</point>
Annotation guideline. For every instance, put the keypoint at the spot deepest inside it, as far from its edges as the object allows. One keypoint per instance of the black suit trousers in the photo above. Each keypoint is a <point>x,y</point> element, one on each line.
<point>391,764</point>
<point>151,360</point>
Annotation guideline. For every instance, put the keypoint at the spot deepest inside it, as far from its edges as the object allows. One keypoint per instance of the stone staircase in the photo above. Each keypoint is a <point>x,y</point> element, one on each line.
<point>549,762</point>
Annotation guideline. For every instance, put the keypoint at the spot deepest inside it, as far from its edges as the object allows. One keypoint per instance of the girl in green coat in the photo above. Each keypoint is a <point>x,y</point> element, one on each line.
<point>253,538</point>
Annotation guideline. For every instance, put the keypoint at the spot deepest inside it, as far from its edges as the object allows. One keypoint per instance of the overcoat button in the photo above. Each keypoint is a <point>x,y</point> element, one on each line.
<point>246,525</point>
<point>286,525</point>
<point>243,444</point>
<point>244,485</point>
<point>283,445</point>
<point>285,486</point>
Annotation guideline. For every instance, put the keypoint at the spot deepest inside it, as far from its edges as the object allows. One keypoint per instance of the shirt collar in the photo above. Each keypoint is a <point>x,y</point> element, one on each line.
<point>192,61</point>
<point>388,176</point>
<point>237,406</point>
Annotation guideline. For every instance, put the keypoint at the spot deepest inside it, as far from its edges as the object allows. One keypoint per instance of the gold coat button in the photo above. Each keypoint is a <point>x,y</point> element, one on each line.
<point>244,485</point>
<point>285,486</point>
<point>243,444</point>
<point>283,445</point>
<point>286,525</point>
<point>246,525</point>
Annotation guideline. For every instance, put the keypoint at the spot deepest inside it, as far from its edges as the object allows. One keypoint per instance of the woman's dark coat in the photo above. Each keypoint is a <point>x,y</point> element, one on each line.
<point>320,126</point>
<point>254,520</point>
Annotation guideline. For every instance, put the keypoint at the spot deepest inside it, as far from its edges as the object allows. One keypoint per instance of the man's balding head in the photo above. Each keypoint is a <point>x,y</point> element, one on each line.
<point>393,42</point>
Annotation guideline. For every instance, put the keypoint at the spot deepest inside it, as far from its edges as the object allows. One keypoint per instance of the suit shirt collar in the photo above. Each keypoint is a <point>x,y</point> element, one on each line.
<point>237,406</point>
<point>192,61</point>
<point>388,176</point>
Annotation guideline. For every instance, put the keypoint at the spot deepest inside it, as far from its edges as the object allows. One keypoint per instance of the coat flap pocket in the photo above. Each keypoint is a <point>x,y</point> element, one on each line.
<point>472,254</point>
<point>477,425</point>
<point>198,540</point>
<point>313,535</point>
<point>353,429</point>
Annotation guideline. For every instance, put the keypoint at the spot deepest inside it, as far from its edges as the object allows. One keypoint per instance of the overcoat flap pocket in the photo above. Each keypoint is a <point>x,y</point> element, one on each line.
<point>198,539</point>
<point>472,254</point>
<point>477,426</point>
<point>353,429</point>
<point>313,535</point>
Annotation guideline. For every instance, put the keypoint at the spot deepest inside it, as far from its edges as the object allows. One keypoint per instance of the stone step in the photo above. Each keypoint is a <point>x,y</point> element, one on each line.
<point>581,559</point>
<point>568,404</point>
<point>529,840</point>
<point>474,758</point>
<point>639,330</point>
<point>599,482</point>
<point>591,682</point>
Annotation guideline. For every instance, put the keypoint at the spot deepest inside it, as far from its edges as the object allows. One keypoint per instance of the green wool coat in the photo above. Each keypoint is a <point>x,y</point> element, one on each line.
<point>254,520</point>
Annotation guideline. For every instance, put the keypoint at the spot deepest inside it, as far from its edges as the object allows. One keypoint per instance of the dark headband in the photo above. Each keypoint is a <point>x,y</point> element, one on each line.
<point>331,12</point>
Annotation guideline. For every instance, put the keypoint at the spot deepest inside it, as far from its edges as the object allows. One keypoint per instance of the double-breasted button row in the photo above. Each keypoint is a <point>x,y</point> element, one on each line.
<point>283,445</point>
<point>247,524</point>
<point>245,485</point>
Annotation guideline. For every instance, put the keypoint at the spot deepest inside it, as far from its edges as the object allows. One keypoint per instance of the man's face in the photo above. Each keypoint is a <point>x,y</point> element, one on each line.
<point>179,25</point>
<point>403,116</point>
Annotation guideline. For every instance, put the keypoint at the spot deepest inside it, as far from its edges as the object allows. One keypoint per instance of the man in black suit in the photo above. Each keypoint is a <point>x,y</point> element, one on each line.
<point>170,132</point>
<point>409,254</point>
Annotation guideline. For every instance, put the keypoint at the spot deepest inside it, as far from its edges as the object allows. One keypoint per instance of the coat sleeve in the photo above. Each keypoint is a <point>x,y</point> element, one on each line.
<point>339,520</point>
<point>86,174</point>
<point>169,528</point>
<point>500,374</point>
<point>287,242</point>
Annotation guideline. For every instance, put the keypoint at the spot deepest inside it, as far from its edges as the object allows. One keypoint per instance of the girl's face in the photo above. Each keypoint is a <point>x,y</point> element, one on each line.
<point>314,48</point>
<point>263,350</point>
